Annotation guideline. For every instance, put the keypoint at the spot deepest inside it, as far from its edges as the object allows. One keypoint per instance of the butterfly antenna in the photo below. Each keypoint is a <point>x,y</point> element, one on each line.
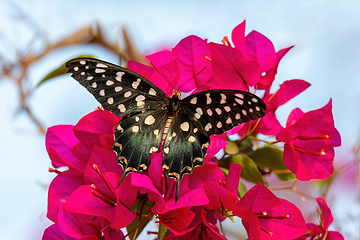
<point>162,75</point>
<point>191,78</point>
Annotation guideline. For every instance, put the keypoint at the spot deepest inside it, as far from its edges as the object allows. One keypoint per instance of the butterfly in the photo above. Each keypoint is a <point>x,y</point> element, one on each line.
<point>152,121</point>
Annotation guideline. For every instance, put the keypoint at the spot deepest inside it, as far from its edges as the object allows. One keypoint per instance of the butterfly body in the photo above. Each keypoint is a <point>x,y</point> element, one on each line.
<point>153,122</point>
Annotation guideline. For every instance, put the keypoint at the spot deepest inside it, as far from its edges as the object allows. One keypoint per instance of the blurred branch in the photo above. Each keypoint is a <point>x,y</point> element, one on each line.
<point>17,70</point>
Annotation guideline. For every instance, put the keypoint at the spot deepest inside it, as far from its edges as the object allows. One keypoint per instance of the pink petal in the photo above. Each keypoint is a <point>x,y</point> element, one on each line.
<point>294,116</point>
<point>257,199</point>
<point>96,128</point>
<point>261,50</point>
<point>166,77</point>
<point>53,232</point>
<point>178,219</point>
<point>77,225</point>
<point>190,54</point>
<point>233,179</point>
<point>284,222</point>
<point>141,69</point>
<point>59,190</point>
<point>231,69</point>
<point>105,161</point>
<point>267,80</point>
<point>238,36</point>
<point>287,91</point>
<point>216,144</point>
<point>250,222</point>
<point>83,201</point>
<point>58,141</point>
<point>219,196</point>
<point>325,213</point>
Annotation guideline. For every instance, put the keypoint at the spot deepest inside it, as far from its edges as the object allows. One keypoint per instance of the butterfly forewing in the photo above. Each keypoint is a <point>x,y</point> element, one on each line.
<point>118,89</point>
<point>217,111</point>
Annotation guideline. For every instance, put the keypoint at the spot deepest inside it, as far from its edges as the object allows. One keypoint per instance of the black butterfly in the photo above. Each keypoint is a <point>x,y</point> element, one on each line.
<point>153,122</point>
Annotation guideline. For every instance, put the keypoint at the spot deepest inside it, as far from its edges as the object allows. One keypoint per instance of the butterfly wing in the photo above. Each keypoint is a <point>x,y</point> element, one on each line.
<point>142,105</point>
<point>118,89</point>
<point>217,111</point>
<point>136,137</point>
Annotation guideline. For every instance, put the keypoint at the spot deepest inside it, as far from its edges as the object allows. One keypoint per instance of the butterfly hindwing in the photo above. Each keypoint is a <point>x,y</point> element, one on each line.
<point>118,89</point>
<point>184,147</point>
<point>136,137</point>
<point>217,111</point>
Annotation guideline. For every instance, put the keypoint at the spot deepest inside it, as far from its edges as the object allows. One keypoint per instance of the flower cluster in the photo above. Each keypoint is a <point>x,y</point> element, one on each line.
<point>86,201</point>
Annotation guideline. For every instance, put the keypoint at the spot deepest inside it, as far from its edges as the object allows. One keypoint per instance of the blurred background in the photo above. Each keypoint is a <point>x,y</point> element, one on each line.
<point>34,40</point>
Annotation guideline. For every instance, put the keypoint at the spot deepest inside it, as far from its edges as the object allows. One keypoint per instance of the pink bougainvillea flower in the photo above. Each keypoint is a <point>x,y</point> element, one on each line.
<point>265,216</point>
<point>309,148</point>
<point>321,231</point>
<point>224,194</point>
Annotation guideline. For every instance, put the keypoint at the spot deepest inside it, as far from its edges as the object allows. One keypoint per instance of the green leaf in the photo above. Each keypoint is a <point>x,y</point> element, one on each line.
<point>271,157</point>
<point>163,232</point>
<point>231,148</point>
<point>59,71</point>
<point>249,170</point>
<point>241,189</point>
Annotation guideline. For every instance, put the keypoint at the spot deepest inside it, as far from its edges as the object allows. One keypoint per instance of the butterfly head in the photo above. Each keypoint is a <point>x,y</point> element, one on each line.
<point>174,103</point>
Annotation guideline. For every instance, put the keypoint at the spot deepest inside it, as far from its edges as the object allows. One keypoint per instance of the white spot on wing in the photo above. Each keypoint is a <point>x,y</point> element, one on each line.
<point>110,100</point>
<point>254,100</point>
<point>109,83</point>
<point>140,98</point>
<point>239,95</point>
<point>208,99</point>
<point>122,107</point>
<point>149,120</point>
<point>237,116</point>
<point>219,125</point>
<point>82,62</point>
<point>102,92</point>
<point>136,84</point>
<point>208,127</point>
<point>209,112</point>
<point>239,101</point>
<point>228,121</point>
<point>89,77</point>
<point>194,100</point>
<point>76,69</point>
<point>127,94</point>
<point>192,139</point>
<point>218,111</point>
<point>100,65</point>
<point>156,132</point>
<point>118,88</point>
<point>185,126</point>
<point>137,118</point>
<point>119,76</point>
<point>257,108</point>
<point>227,108</point>
<point>94,85</point>
<point>199,111</point>
<point>153,149</point>
<point>244,112</point>
<point>223,98</point>
<point>166,150</point>
<point>135,129</point>
<point>99,70</point>
<point>152,92</point>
